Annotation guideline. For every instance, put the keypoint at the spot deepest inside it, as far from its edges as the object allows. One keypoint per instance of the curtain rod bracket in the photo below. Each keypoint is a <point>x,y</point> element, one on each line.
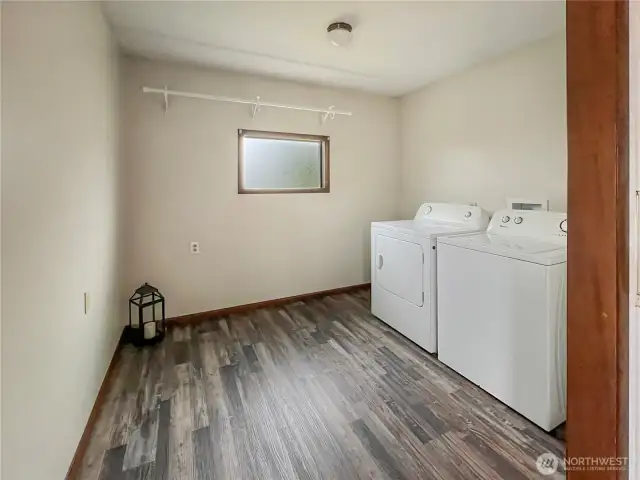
<point>256,107</point>
<point>329,114</point>
<point>166,99</point>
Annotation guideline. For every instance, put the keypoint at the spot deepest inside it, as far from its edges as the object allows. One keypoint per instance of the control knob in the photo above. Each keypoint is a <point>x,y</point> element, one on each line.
<point>563,225</point>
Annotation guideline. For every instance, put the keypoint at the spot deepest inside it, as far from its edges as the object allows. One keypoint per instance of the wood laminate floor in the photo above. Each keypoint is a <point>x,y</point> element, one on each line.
<point>312,390</point>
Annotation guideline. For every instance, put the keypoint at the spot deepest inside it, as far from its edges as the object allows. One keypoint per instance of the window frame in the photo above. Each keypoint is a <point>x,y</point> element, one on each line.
<point>324,141</point>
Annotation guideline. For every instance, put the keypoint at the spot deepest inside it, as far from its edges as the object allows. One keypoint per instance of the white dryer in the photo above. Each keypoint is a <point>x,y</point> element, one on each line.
<point>502,311</point>
<point>403,267</point>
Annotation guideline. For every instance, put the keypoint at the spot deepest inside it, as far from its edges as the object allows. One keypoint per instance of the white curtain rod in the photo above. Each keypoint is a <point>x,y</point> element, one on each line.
<point>257,103</point>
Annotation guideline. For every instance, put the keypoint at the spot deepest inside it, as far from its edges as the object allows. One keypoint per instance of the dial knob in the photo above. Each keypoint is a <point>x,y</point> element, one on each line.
<point>563,225</point>
<point>506,218</point>
<point>517,220</point>
<point>427,210</point>
<point>467,215</point>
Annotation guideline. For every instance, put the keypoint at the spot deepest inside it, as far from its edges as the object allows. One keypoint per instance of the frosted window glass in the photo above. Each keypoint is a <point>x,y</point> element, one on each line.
<point>281,164</point>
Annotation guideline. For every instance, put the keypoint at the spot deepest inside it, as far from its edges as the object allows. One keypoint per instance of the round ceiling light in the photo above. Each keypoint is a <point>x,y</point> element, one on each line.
<point>339,33</point>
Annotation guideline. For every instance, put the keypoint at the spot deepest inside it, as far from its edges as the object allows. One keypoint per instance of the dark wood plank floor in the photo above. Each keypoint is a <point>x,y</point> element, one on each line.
<point>313,390</point>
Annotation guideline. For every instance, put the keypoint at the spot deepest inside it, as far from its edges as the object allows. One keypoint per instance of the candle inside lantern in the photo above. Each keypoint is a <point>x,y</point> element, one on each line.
<point>149,330</point>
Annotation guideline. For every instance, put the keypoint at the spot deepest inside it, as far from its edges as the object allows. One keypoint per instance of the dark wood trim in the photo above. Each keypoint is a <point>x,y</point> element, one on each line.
<point>76,464</point>
<point>622,229</point>
<point>598,253</point>
<point>325,142</point>
<point>282,135</point>
<point>239,309</point>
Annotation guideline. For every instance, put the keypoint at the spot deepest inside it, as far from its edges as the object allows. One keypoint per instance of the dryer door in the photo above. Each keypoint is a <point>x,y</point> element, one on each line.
<point>398,268</point>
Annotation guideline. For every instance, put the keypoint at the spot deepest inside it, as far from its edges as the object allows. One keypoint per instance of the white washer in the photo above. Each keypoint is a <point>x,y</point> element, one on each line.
<point>403,267</point>
<point>502,311</point>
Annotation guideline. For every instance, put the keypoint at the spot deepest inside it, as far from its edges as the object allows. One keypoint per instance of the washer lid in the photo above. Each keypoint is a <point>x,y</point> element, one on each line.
<point>420,229</point>
<point>521,248</point>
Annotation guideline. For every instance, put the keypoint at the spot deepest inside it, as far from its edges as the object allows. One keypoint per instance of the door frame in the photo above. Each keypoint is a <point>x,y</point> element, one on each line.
<point>634,237</point>
<point>598,245</point>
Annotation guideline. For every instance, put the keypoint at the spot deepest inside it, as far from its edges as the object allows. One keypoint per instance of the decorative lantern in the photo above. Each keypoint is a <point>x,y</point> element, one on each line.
<point>146,332</point>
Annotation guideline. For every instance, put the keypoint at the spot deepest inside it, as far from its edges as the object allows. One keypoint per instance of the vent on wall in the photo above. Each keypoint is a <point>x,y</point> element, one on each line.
<point>527,203</point>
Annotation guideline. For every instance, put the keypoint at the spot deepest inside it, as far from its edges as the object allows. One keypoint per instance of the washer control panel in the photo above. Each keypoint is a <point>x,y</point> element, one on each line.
<point>530,223</point>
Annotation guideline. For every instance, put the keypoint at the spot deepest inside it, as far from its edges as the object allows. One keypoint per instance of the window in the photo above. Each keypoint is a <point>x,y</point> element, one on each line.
<point>270,162</point>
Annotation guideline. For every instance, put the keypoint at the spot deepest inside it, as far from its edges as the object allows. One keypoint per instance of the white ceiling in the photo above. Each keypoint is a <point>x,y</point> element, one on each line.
<point>397,46</point>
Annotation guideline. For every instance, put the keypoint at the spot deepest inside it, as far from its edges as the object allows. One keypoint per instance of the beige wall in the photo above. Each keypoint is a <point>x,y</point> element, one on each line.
<point>59,178</point>
<point>181,180</point>
<point>0,240</point>
<point>494,131</point>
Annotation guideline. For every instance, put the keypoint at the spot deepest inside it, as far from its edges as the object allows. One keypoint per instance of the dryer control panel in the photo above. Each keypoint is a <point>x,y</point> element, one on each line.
<point>453,214</point>
<point>538,224</point>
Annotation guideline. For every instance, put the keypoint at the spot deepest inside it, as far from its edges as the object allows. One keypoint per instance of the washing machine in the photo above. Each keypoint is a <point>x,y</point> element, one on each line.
<point>502,311</point>
<point>403,267</point>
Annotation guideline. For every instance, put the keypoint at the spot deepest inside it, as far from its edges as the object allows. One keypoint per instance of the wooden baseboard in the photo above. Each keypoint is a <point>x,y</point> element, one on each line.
<point>76,463</point>
<point>239,309</point>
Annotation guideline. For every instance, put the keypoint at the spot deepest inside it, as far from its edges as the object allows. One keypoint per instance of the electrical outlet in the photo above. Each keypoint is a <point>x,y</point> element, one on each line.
<point>87,302</point>
<point>195,247</point>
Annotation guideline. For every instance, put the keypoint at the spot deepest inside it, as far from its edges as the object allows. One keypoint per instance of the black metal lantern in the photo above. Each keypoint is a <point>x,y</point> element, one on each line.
<point>146,332</point>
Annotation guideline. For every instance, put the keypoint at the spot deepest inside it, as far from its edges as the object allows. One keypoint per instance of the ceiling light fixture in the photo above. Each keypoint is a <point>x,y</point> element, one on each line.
<point>339,33</point>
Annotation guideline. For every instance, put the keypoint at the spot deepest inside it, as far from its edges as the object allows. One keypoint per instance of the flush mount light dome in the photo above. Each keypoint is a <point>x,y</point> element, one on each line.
<point>339,33</point>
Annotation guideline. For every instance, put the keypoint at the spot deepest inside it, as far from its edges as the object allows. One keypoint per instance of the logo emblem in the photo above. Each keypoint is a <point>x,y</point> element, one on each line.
<point>547,463</point>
